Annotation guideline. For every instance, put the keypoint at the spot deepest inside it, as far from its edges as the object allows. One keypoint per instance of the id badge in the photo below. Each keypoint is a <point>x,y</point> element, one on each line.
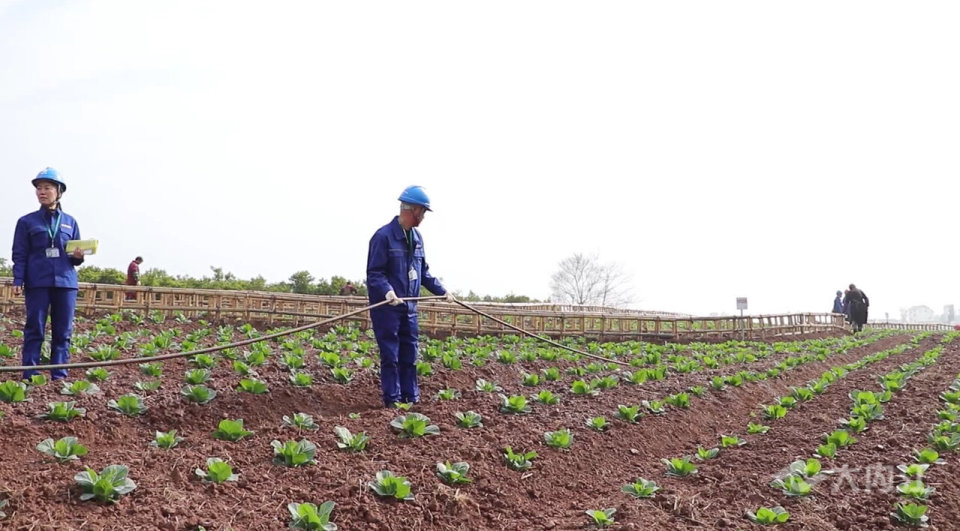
<point>412,275</point>
<point>53,252</point>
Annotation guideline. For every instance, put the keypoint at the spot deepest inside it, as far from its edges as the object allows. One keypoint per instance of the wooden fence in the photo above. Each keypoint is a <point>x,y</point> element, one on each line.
<point>436,318</point>
<point>934,327</point>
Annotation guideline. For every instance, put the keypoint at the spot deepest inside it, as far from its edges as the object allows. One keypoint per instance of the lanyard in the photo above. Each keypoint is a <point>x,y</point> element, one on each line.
<point>52,230</point>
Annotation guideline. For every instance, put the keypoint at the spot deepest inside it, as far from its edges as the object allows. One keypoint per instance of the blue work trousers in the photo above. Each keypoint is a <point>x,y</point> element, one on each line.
<point>60,304</point>
<point>397,334</point>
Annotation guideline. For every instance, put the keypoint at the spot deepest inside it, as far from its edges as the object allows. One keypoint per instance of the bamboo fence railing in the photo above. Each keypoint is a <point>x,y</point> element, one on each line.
<point>935,327</point>
<point>438,318</point>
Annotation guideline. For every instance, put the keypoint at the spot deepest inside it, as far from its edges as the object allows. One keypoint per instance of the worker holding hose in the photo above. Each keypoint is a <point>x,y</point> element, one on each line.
<point>45,274</point>
<point>396,268</point>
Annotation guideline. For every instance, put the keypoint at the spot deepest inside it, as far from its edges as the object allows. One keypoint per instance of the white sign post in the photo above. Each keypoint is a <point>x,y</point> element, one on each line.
<point>741,305</point>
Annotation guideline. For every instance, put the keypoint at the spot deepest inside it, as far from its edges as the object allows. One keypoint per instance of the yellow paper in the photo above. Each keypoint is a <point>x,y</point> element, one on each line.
<point>87,246</point>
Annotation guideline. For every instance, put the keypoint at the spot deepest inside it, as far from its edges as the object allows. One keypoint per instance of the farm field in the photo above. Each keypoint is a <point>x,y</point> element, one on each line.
<point>664,409</point>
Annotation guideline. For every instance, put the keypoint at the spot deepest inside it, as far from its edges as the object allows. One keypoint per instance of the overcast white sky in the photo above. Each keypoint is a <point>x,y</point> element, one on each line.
<point>772,150</point>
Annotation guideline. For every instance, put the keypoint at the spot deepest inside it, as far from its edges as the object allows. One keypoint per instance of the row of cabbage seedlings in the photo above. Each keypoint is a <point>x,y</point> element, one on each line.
<point>195,391</point>
<point>225,334</point>
<point>867,407</point>
<point>512,349</point>
<point>293,353</point>
<point>684,466</point>
<point>132,405</point>
<point>773,515</point>
<point>651,354</point>
<point>293,359</point>
<point>807,392</point>
<point>244,364</point>
<point>518,404</point>
<point>943,436</point>
<point>782,405</point>
<point>417,425</point>
<point>112,482</point>
<point>638,354</point>
<point>220,471</point>
<point>680,400</point>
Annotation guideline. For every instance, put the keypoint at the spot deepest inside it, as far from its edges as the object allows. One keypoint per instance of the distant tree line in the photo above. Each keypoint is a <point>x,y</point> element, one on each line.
<point>510,297</point>
<point>299,282</point>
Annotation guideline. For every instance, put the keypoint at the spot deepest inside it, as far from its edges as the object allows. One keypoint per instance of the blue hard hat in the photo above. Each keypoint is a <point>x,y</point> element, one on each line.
<point>52,175</point>
<point>415,195</point>
<point>839,292</point>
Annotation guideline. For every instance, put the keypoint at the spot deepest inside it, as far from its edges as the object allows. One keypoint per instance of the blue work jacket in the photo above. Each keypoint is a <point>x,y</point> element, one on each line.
<point>837,305</point>
<point>390,260</point>
<point>31,266</point>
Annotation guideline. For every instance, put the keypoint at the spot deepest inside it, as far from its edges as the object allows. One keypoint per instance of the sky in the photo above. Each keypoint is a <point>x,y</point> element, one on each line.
<point>712,150</point>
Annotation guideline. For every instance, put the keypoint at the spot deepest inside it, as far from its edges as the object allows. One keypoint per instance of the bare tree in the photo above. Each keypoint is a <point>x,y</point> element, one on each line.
<point>614,286</point>
<point>582,279</point>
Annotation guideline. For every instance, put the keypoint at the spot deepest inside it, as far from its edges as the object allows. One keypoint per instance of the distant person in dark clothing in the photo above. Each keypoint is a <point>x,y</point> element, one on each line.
<point>859,303</point>
<point>348,289</point>
<point>133,276</point>
<point>838,303</point>
<point>846,305</point>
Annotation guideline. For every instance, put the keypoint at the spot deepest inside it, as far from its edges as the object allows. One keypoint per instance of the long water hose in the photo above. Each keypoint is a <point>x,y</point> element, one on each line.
<point>109,363</point>
<point>535,336</point>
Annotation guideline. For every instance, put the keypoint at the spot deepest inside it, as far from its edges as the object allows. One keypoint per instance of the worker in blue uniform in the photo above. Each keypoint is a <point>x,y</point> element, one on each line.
<point>45,274</point>
<point>396,268</point>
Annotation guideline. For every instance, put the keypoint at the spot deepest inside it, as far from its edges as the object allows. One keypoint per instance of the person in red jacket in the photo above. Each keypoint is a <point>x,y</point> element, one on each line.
<point>348,289</point>
<point>133,276</point>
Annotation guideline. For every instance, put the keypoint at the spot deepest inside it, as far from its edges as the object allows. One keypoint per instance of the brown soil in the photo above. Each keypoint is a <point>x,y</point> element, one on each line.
<point>552,495</point>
